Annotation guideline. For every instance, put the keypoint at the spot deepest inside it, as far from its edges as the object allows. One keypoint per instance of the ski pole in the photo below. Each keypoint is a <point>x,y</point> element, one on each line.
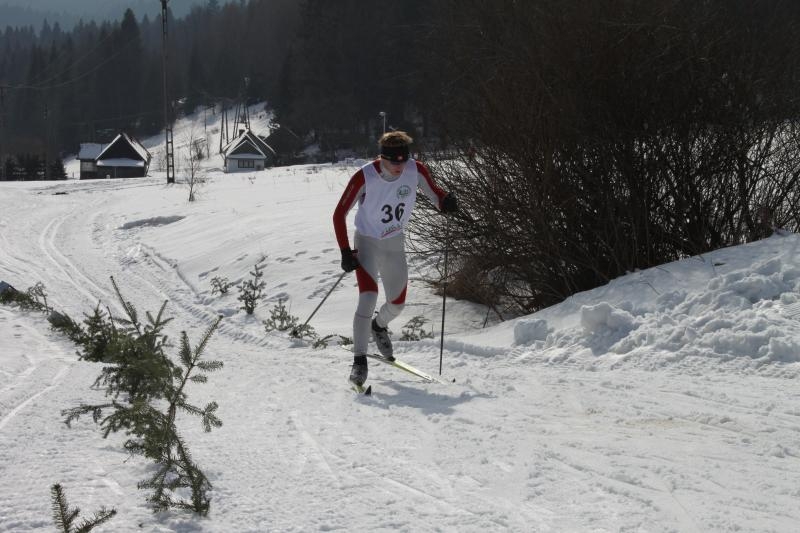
<point>295,330</point>
<point>444,292</point>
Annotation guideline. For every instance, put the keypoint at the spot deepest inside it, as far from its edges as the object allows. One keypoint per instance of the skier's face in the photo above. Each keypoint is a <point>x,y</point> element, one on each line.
<point>395,169</point>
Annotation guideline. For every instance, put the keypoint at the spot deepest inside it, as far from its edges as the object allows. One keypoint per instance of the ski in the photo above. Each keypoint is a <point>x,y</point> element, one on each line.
<point>361,389</point>
<point>406,367</point>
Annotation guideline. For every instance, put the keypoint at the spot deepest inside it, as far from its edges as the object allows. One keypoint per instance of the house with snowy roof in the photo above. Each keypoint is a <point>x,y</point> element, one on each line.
<point>246,152</point>
<point>123,157</point>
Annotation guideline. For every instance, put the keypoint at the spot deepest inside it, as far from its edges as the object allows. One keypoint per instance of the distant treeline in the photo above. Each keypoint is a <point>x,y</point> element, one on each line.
<point>61,88</point>
<point>31,167</point>
<point>328,68</point>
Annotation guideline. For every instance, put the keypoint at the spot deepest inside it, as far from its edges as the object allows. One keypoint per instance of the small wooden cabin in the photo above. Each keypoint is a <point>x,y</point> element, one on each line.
<point>247,152</point>
<point>123,157</point>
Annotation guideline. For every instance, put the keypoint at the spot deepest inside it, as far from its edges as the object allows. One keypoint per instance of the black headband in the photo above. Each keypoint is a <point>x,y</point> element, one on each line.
<point>396,154</point>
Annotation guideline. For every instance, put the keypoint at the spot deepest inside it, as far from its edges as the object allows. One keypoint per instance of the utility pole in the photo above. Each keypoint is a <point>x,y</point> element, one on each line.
<point>242,113</point>
<point>2,132</point>
<point>170,151</point>
<point>46,141</point>
<point>223,126</point>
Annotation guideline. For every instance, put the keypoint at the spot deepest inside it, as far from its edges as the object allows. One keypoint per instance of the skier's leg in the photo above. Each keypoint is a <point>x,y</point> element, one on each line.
<point>394,275</point>
<point>366,275</point>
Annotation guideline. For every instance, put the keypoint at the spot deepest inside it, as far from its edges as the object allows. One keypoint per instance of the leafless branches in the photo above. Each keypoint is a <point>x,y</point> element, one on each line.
<point>602,137</point>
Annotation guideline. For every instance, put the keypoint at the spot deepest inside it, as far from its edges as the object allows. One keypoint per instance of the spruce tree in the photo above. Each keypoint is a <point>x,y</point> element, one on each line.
<point>250,290</point>
<point>147,390</point>
<point>57,170</point>
<point>64,517</point>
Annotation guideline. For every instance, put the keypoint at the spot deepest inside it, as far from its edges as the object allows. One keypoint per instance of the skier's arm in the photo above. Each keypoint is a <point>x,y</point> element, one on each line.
<point>351,194</point>
<point>428,187</point>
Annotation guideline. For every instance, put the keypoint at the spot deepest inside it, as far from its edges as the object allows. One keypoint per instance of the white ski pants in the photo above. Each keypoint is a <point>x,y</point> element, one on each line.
<point>385,258</point>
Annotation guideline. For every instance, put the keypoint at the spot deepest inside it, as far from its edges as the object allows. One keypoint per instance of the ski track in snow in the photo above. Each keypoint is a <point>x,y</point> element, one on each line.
<point>59,261</point>
<point>40,372</point>
<point>170,283</point>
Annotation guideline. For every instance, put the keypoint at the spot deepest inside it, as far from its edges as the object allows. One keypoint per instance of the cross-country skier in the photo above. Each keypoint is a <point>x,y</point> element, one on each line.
<point>386,190</point>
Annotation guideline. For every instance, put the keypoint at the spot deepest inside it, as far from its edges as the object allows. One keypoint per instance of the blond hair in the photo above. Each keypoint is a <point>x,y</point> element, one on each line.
<point>395,138</point>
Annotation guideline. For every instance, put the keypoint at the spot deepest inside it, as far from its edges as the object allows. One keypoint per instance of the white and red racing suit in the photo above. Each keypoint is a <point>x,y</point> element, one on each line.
<point>385,203</point>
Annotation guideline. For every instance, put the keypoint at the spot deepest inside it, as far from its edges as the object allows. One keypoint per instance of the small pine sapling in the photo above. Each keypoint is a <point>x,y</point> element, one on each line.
<point>303,331</point>
<point>322,342</point>
<point>35,298</point>
<point>137,369</point>
<point>141,379</point>
<point>281,320</point>
<point>38,294</point>
<point>64,517</point>
<point>176,471</point>
<point>413,330</point>
<point>220,285</point>
<point>98,334</point>
<point>250,290</point>
<point>64,323</point>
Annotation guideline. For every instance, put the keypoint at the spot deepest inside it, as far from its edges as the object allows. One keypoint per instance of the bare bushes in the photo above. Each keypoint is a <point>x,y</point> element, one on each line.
<point>602,137</point>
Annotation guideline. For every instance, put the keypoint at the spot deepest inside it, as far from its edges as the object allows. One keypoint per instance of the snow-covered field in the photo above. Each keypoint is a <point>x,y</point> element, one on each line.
<point>664,401</point>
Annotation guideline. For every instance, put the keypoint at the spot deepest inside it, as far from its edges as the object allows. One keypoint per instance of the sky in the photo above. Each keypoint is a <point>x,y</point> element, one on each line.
<point>664,401</point>
<point>69,12</point>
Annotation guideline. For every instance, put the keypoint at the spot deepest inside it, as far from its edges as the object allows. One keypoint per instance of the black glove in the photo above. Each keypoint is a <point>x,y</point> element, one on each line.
<point>349,261</point>
<point>449,203</point>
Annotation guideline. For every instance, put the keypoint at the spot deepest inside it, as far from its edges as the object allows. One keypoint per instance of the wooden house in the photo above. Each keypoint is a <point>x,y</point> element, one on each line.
<point>123,157</point>
<point>246,152</point>
<point>288,146</point>
<point>88,158</point>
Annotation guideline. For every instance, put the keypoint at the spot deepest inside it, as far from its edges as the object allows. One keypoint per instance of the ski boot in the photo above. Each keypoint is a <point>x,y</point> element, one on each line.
<point>381,337</point>
<point>358,372</point>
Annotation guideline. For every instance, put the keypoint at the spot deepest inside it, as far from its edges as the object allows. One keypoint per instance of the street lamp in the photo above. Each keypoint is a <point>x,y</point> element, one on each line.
<point>382,114</point>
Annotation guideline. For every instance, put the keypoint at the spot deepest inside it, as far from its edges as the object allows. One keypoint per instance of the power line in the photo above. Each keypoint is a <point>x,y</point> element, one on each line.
<point>76,78</point>
<point>75,62</point>
<point>111,119</point>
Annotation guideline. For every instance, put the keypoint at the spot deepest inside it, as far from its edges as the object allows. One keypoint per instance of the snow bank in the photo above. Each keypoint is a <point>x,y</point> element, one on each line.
<point>527,331</point>
<point>740,313</point>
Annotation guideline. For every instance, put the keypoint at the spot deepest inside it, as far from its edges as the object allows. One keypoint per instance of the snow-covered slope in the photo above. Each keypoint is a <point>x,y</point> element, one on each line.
<point>664,401</point>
